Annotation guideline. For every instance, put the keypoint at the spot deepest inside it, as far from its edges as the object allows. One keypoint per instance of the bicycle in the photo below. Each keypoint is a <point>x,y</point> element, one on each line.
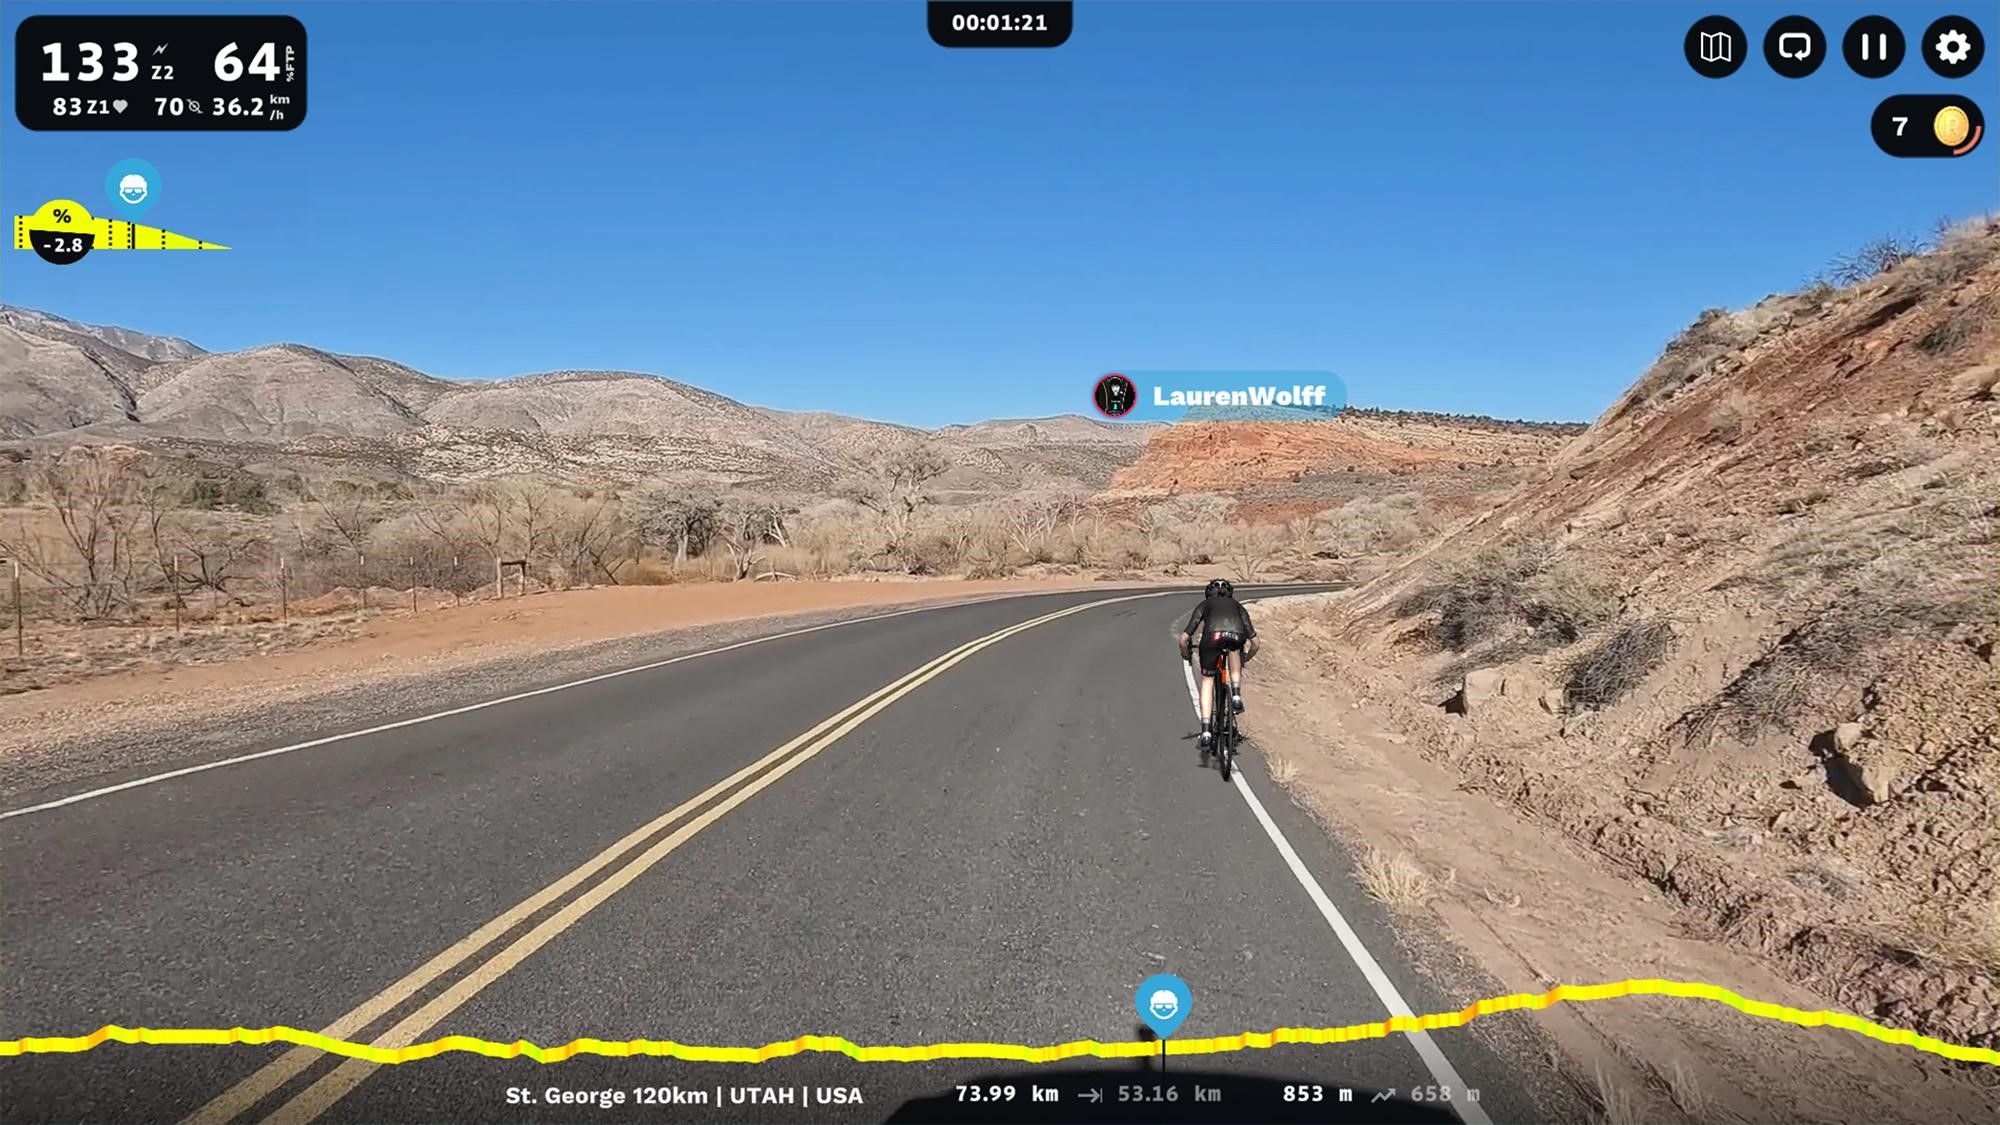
<point>1224,720</point>
<point>1223,733</point>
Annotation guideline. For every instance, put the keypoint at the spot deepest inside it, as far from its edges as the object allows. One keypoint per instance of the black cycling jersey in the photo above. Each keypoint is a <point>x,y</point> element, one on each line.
<point>1220,614</point>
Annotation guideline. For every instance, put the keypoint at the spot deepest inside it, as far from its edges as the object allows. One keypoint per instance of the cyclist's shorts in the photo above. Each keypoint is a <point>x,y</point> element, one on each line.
<point>1213,644</point>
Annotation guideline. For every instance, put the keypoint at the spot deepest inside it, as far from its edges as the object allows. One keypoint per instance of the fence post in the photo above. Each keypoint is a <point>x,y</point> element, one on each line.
<point>499,591</point>
<point>284,590</point>
<point>413,585</point>
<point>177,596</point>
<point>20,622</point>
<point>364,580</point>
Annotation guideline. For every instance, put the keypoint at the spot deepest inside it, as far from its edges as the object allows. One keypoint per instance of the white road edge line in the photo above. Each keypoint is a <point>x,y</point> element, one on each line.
<point>1440,1067</point>
<point>239,759</point>
<point>1385,990</point>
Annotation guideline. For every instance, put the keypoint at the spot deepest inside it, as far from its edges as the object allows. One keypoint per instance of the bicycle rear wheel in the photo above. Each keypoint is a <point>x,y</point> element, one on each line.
<point>1225,727</point>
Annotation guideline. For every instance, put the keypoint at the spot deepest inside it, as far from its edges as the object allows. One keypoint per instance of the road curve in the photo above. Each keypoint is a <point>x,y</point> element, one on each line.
<point>997,849</point>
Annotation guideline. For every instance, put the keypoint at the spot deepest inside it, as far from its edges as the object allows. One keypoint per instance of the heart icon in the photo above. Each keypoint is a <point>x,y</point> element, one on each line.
<point>119,105</point>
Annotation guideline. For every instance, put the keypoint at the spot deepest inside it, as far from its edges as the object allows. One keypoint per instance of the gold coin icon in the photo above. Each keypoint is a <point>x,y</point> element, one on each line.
<point>1951,126</point>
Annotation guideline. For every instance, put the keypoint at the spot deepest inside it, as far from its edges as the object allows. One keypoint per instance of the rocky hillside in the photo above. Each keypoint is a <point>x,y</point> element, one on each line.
<point>141,345</point>
<point>1184,458</point>
<point>1739,637</point>
<point>1364,464</point>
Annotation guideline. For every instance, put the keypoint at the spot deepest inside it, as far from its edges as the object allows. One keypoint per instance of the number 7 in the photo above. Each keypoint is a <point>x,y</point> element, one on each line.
<point>1900,122</point>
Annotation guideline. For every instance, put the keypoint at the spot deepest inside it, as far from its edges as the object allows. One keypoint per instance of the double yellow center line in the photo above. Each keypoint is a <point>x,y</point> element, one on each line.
<point>739,787</point>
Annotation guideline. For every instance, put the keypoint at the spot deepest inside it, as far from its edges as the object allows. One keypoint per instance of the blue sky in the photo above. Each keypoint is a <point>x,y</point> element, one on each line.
<point>1496,208</point>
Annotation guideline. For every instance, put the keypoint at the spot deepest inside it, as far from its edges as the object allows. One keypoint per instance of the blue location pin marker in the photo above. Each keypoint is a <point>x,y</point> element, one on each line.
<point>1164,1001</point>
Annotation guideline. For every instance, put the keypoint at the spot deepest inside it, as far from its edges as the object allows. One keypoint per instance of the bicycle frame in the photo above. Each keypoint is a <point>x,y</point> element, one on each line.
<point>1223,716</point>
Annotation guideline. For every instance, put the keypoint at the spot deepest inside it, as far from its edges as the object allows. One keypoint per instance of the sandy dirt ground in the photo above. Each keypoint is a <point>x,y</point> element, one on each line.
<point>1528,909</point>
<point>442,640</point>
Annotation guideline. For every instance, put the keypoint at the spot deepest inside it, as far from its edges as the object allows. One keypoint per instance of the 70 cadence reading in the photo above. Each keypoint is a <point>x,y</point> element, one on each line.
<point>161,72</point>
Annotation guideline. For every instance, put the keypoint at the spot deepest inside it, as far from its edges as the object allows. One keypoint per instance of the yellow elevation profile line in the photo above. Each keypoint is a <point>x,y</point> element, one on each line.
<point>830,1044</point>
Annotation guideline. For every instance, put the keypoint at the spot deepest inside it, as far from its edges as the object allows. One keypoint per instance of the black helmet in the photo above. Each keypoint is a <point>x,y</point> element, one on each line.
<point>1219,587</point>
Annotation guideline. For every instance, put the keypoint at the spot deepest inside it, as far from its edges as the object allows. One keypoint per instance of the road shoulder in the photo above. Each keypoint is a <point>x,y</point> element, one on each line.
<point>1515,907</point>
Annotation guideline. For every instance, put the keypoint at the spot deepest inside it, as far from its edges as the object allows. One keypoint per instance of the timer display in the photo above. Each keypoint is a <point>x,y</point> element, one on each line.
<point>995,23</point>
<point>160,72</point>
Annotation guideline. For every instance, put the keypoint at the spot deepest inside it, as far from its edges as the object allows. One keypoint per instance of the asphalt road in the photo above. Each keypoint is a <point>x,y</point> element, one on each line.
<point>998,853</point>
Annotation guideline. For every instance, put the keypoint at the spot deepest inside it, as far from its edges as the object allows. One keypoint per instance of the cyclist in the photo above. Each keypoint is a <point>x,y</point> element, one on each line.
<point>1224,627</point>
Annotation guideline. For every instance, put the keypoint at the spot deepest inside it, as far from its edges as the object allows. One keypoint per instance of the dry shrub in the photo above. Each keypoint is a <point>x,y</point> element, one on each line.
<point>985,568</point>
<point>1377,524</point>
<point>840,535</point>
<point>931,552</point>
<point>652,571</point>
<point>1957,251</point>
<point>1504,588</point>
<point>1876,256</point>
<point>1396,881</point>
<point>1803,502</point>
<point>1194,524</point>
<point>1959,327</point>
<point>1117,546</point>
<point>1252,549</point>
<point>793,561</point>
<point>1619,663</point>
<point>1901,601</point>
<point>1687,357</point>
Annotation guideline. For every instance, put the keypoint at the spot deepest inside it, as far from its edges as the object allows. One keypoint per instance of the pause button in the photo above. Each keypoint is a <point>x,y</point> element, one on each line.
<point>1873,47</point>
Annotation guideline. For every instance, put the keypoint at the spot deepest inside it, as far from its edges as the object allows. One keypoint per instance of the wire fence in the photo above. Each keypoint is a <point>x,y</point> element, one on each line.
<point>187,594</point>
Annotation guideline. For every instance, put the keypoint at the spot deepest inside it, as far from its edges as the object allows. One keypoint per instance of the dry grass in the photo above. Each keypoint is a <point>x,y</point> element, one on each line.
<point>1895,601</point>
<point>1616,1104</point>
<point>1955,933</point>
<point>1502,589</point>
<point>1284,771</point>
<point>1959,327</point>
<point>1685,1089</point>
<point>1397,881</point>
<point>1621,662</point>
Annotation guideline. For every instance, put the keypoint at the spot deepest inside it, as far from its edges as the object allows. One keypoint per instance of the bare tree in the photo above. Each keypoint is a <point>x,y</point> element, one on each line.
<point>162,493</point>
<point>487,518</point>
<point>1874,257</point>
<point>898,484</point>
<point>746,524</point>
<point>222,559</point>
<point>441,516</point>
<point>343,517</point>
<point>682,518</point>
<point>1197,521</point>
<point>589,536</point>
<point>1030,524</point>
<point>1251,549</point>
<point>85,489</point>
<point>533,504</point>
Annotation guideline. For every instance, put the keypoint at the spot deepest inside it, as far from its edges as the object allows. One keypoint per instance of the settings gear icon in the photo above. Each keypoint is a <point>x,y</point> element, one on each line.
<point>1953,47</point>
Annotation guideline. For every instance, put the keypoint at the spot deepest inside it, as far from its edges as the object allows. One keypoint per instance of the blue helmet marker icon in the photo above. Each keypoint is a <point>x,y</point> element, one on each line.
<point>132,185</point>
<point>1164,1001</point>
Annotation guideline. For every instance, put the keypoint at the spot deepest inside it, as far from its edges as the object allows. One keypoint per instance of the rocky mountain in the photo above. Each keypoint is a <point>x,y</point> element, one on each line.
<point>141,345</point>
<point>54,383</point>
<point>287,407</point>
<point>1235,456</point>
